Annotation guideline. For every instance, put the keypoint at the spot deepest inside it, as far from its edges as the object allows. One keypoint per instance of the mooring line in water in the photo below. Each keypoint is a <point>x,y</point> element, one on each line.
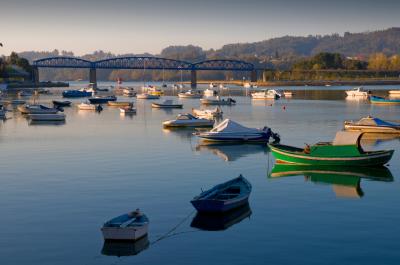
<point>166,235</point>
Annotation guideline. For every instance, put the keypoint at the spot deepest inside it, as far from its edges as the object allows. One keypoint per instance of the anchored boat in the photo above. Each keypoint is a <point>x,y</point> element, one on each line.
<point>58,103</point>
<point>345,150</point>
<point>76,93</point>
<point>385,101</point>
<point>224,197</point>
<point>266,94</point>
<point>208,113</point>
<point>147,96</point>
<point>88,106</point>
<point>357,92</point>
<point>36,109</point>
<point>231,131</point>
<point>168,104</point>
<point>372,125</point>
<point>47,117</point>
<point>119,103</point>
<point>188,120</point>
<point>217,101</point>
<point>190,94</point>
<point>102,100</point>
<point>131,226</point>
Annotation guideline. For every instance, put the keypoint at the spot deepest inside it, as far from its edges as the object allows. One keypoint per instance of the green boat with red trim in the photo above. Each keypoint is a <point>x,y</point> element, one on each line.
<point>345,150</point>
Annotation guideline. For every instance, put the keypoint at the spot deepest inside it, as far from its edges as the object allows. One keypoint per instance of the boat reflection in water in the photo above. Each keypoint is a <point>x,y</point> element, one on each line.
<point>122,248</point>
<point>43,123</point>
<point>374,139</point>
<point>220,221</point>
<point>344,180</point>
<point>232,152</point>
<point>183,133</point>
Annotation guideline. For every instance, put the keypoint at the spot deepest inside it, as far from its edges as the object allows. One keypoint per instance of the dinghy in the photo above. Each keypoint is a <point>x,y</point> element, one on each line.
<point>36,109</point>
<point>88,106</point>
<point>131,226</point>
<point>58,103</point>
<point>372,125</point>
<point>188,120</point>
<point>224,197</point>
<point>128,110</point>
<point>168,104</point>
<point>231,131</point>
<point>217,101</point>
<point>345,150</point>
<point>190,94</point>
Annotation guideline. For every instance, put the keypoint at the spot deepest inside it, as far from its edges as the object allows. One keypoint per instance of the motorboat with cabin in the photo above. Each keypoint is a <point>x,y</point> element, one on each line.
<point>266,94</point>
<point>190,94</point>
<point>208,113</point>
<point>357,92</point>
<point>217,101</point>
<point>210,92</point>
<point>188,120</point>
<point>88,106</point>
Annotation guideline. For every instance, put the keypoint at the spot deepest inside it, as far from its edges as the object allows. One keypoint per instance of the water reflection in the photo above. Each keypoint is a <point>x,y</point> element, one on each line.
<point>44,123</point>
<point>185,133</point>
<point>232,152</point>
<point>221,221</point>
<point>124,248</point>
<point>345,181</point>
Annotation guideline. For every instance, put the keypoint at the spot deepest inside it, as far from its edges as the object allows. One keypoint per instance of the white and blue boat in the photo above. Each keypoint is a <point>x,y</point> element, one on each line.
<point>131,226</point>
<point>76,93</point>
<point>231,131</point>
<point>224,197</point>
<point>381,100</point>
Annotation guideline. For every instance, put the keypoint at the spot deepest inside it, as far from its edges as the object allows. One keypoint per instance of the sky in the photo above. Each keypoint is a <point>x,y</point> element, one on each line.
<point>138,26</point>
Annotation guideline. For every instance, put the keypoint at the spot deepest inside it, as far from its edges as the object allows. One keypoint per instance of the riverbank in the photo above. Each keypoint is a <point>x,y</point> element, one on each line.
<point>33,85</point>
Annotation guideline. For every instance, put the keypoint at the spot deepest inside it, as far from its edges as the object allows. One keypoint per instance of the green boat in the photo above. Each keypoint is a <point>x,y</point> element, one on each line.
<point>345,150</point>
<point>345,180</point>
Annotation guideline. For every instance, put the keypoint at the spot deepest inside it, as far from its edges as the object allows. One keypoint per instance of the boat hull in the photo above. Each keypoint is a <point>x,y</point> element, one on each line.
<point>372,129</point>
<point>384,101</point>
<point>377,158</point>
<point>167,106</point>
<point>260,138</point>
<point>47,117</point>
<point>124,233</point>
<point>218,206</point>
<point>119,104</point>
<point>101,100</point>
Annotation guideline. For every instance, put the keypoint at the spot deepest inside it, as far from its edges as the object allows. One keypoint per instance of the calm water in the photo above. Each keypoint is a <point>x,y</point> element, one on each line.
<point>60,183</point>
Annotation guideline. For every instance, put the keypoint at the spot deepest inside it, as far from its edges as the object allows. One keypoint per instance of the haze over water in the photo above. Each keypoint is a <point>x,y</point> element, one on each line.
<point>59,183</point>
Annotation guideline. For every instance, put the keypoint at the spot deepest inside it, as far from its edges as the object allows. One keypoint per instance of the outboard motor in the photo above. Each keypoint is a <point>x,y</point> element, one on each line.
<point>232,100</point>
<point>59,108</point>
<point>276,137</point>
<point>99,108</point>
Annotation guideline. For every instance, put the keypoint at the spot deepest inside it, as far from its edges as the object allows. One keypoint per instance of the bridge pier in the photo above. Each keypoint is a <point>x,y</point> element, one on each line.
<point>92,77</point>
<point>253,77</point>
<point>35,75</point>
<point>193,78</point>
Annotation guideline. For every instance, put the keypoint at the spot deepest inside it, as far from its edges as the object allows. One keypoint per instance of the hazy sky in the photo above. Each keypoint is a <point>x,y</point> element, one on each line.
<point>136,26</point>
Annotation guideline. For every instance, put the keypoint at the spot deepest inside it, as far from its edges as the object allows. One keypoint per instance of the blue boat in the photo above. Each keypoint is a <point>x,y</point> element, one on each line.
<point>224,197</point>
<point>102,100</point>
<point>381,100</point>
<point>76,93</point>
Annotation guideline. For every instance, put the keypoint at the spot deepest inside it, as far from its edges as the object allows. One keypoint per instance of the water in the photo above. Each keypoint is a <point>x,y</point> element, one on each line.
<point>60,183</point>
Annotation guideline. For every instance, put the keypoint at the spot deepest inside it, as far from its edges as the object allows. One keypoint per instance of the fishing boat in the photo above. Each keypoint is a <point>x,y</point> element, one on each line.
<point>188,120</point>
<point>58,103</point>
<point>119,103</point>
<point>208,113</point>
<point>231,131</point>
<point>102,100</point>
<point>36,109</point>
<point>220,221</point>
<point>88,106</point>
<point>344,180</point>
<point>167,104</point>
<point>384,101</point>
<point>372,125</point>
<point>131,226</point>
<point>217,101</point>
<point>224,197</point>
<point>190,94</point>
<point>47,117</point>
<point>357,92</point>
<point>266,94</point>
<point>345,150</point>
<point>147,96</point>
<point>128,110</point>
<point>76,93</point>
<point>209,92</point>
<point>124,248</point>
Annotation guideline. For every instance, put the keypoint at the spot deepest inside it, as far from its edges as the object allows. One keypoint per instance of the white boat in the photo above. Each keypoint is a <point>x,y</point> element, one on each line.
<point>210,92</point>
<point>152,90</point>
<point>47,117</point>
<point>147,96</point>
<point>394,93</point>
<point>188,120</point>
<point>212,85</point>
<point>36,109</point>
<point>131,226</point>
<point>129,92</point>
<point>208,113</point>
<point>222,86</point>
<point>372,125</point>
<point>128,110</point>
<point>231,131</point>
<point>249,85</point>
<point>190,94</point>
<point>217,101</point>
<point>266,94</point>
<point>88,106</point>
<point>357,92</point>
<point>24,94</point>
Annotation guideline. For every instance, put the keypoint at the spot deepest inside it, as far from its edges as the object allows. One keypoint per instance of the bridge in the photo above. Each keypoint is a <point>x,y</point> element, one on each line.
<point>143,62</point>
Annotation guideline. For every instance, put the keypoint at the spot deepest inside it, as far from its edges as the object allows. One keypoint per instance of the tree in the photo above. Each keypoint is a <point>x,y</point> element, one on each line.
<point>378,61</point>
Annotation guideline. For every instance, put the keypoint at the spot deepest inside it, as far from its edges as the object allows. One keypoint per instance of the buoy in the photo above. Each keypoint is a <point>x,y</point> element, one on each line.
<point>284,107</point>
